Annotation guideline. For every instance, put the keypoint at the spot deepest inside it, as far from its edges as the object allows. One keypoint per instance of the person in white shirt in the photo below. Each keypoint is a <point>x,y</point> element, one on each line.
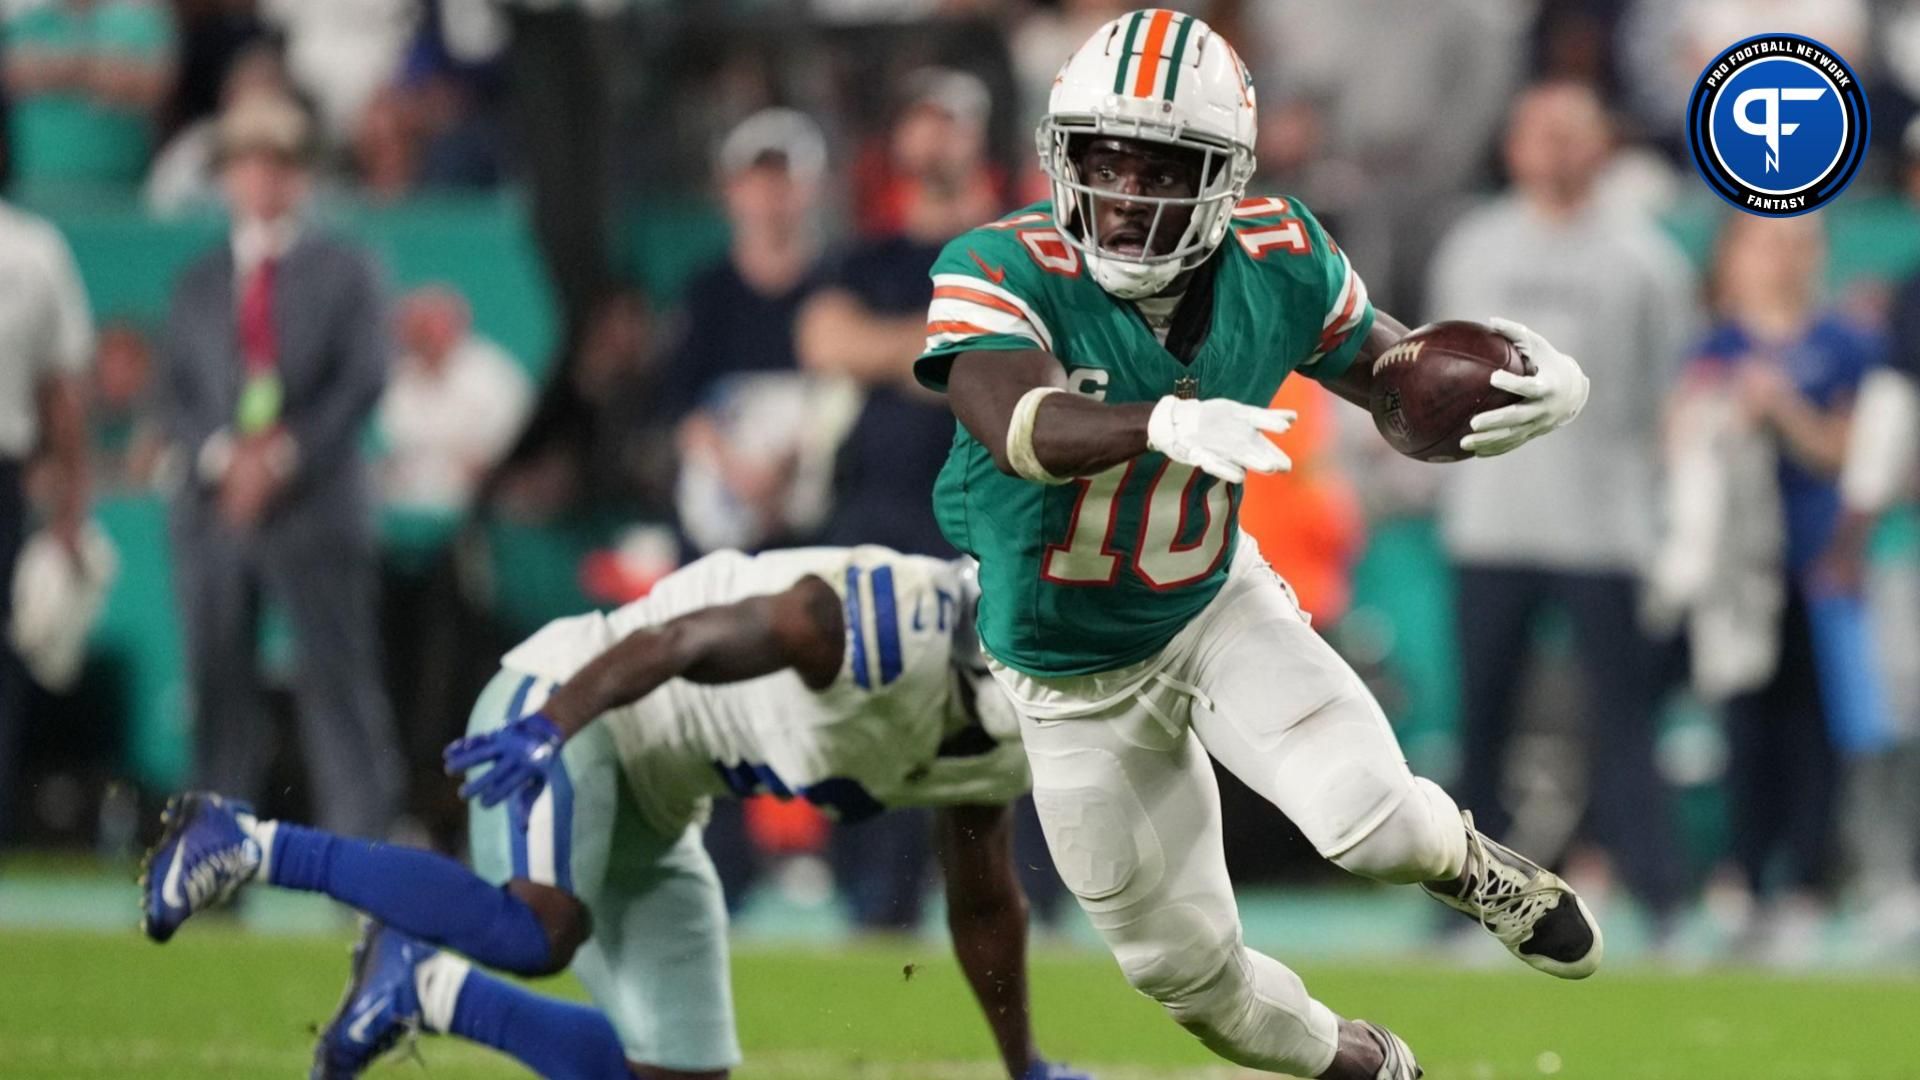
<point>46,334</point>
<point>454,405</point>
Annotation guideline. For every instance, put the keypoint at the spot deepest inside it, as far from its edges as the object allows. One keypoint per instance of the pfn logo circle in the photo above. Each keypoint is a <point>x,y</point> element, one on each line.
<point>1778,125</point>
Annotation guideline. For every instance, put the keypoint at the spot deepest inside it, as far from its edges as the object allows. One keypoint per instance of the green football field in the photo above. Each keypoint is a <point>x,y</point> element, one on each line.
<point>219,1002</point>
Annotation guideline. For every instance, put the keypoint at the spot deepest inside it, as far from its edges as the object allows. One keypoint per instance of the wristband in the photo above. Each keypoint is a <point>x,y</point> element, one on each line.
<point>1020,438</point>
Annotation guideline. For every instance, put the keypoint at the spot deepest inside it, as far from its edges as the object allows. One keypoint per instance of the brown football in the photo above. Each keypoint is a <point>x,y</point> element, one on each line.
<point>1430,384</point>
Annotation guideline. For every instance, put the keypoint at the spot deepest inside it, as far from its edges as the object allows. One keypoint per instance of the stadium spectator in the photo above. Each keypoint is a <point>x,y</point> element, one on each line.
<point>1759,429</point>
<point>454,79</point>
<point>756,433</point>
<point>46,333</point>
<point>186,172</point>
<point>739,312</point>
<point>274,358</point>
<point>1571,524</point>
<point>86,79</point>
<point>596,443</point>
<point>387,146</point>
<point>455,404</point>
<point>1882,811</point>
<point>127,444</point>
<point>868,320</point>
<point>1407,176</point>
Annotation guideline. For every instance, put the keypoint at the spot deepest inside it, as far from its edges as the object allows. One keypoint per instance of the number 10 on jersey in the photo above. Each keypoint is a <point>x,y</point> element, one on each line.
<point>1089,556</point>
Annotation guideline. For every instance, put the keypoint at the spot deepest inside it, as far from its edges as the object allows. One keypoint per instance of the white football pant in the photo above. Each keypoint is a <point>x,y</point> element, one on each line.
<point>1132,814</point>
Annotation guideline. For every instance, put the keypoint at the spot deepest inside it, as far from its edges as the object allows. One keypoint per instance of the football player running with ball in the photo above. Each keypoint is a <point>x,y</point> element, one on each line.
<point>1109,356</point>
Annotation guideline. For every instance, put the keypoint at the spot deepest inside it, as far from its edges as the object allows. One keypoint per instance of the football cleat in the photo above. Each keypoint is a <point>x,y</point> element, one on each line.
<point>1537,916</point>
<point>1396,1059</point>
<point>380,1008</point>
<point>203,855</point>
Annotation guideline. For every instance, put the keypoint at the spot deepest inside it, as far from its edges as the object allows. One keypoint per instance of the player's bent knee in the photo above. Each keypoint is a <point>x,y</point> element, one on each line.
<point>563,918</point>
<point>1420,839</point>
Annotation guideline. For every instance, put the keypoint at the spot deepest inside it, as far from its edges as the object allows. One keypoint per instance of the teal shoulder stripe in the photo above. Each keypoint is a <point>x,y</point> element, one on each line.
<point>1179,46</point>
<point>1126,53</point>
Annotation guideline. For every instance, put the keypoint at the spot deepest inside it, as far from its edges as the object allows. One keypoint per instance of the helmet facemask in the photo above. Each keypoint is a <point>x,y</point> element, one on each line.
<point>1225,167</point>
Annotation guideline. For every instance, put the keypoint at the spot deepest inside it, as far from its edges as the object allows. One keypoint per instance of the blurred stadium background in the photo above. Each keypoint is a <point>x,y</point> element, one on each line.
<point>653,271</point>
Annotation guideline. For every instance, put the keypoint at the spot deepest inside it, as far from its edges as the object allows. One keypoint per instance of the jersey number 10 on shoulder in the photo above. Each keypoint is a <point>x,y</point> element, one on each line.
<point>1088,556</point>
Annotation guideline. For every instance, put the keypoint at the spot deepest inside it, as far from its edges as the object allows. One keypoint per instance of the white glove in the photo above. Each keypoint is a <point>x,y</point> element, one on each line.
<point>1554,394</point>
<point>1220,437</point>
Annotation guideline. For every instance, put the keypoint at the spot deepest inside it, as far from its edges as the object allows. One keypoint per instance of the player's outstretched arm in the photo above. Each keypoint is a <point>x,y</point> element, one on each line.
<point>800,628</point>
<point>1016,404</point>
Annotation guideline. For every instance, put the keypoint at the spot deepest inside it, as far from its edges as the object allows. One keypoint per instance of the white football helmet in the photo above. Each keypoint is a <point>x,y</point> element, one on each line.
<point>1159,76</point>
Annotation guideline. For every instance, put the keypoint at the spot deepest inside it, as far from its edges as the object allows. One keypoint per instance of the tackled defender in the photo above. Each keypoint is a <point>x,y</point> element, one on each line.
<point>1108,356</point>
<point>848,677</point>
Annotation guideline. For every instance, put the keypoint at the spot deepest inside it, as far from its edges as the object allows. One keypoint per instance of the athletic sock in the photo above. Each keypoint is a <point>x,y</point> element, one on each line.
<point>428,896</point>
<point>557,1039</point>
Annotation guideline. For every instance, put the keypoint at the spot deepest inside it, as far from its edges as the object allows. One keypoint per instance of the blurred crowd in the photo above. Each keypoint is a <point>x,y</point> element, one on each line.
<point>1697,542</point>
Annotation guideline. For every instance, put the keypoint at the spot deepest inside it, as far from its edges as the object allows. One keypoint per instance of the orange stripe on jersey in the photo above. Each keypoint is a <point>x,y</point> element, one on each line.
<point>1150,53</point>
<point>975,296</point>
<point>948,326</point>
<point>1333,332</point>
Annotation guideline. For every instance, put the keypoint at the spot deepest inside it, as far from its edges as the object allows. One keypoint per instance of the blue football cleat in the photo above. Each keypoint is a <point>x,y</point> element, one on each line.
<point>380,1008</point>
<point>204,853</point>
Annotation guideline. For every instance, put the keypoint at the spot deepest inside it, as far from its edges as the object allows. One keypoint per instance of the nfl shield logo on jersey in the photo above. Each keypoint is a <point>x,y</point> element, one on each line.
<point>1778,125</point>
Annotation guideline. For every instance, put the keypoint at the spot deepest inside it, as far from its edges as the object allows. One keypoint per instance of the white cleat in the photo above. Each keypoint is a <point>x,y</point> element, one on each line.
<point>1537,916</point>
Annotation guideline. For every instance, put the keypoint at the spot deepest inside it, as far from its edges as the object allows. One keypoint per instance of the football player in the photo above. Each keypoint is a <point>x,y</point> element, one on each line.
<point>1108,355</point>
<point>849,677</point>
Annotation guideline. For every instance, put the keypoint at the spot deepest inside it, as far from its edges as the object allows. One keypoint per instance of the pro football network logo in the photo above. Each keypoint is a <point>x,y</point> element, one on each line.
<point>1778,125</point>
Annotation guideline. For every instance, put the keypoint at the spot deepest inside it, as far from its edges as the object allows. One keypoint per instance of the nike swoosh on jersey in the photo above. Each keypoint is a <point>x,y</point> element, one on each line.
<point>357,1031</point>
<point>170,885</point>
<point>995,274</point>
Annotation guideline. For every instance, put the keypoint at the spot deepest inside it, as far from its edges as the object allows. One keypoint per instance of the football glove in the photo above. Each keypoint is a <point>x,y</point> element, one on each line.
<point>1551,397</point>
<point>517,757</point>
<point>1221,438</point>
<point>1047,1070</point>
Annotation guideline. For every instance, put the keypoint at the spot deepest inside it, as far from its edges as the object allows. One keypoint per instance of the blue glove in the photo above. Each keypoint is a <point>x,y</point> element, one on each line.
<point>517,757</point>
<point>1047,1070</point>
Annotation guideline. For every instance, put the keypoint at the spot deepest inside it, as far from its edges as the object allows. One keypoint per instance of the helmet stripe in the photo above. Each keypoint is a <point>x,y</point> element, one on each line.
<point>1150,53</point>
<point>1179,46</point>
<point>1126,54</point>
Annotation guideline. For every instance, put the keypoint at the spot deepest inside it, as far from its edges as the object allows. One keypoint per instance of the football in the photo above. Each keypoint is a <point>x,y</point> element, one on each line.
<point>1430,384</point>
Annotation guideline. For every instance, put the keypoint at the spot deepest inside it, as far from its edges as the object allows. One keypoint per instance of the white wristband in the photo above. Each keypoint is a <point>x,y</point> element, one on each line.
<point>1020,437</point>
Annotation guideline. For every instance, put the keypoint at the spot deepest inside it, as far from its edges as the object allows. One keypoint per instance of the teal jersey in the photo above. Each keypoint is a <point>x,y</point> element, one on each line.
<point>1104,571</point>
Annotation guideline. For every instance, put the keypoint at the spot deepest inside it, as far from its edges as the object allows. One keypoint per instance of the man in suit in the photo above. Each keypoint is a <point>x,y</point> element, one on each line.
<point>274,356</point>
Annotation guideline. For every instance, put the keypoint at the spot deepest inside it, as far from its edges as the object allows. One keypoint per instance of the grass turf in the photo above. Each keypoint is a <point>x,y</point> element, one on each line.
<point>220,1003</point>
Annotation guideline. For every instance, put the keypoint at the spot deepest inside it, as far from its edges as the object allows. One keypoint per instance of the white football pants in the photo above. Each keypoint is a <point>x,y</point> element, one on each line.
<point>1132,814</point>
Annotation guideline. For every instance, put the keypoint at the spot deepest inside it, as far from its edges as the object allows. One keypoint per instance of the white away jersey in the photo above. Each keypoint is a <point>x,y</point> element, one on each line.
<point>889,731</point>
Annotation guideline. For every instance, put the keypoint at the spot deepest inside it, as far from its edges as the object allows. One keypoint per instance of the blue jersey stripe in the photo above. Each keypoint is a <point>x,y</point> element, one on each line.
<point>857,630</point>
<point>516,807</point>
<point>562,786</point>
<point>886,624</point>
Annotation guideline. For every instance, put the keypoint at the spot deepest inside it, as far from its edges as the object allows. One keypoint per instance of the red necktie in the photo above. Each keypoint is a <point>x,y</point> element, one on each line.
<point>260,399</point>
<point>258,350</point>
